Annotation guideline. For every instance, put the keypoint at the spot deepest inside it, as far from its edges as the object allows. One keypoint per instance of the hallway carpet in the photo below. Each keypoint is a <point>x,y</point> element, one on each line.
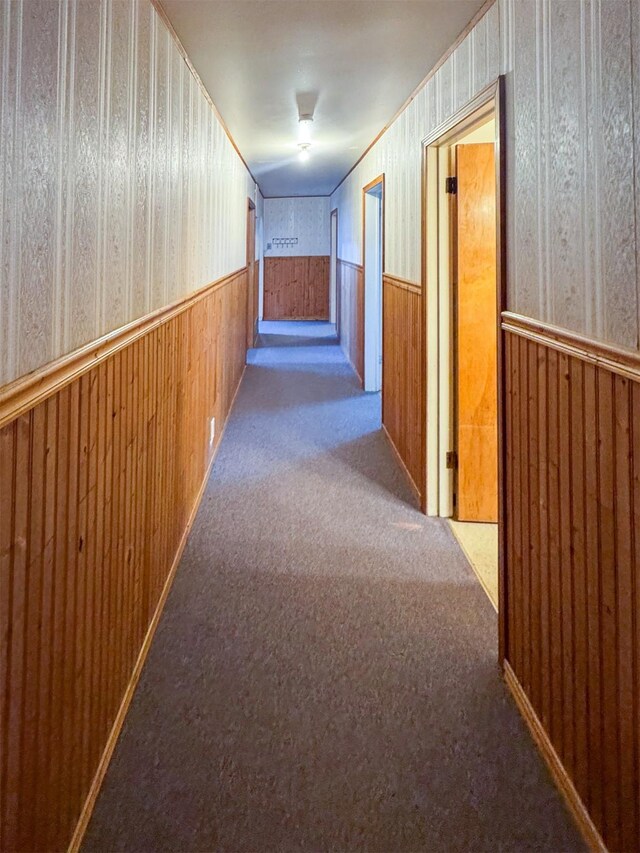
<point>324,675</point>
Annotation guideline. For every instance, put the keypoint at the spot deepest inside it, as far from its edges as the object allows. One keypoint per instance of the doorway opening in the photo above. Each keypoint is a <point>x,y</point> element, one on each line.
<point>253,294</point>
<point>464,274</point>
<point>373,263</point>
<point>333,270</point>
<point>260,263</point>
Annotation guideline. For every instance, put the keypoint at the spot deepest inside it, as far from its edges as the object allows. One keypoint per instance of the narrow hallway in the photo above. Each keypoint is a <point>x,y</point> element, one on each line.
<point>324,675</point>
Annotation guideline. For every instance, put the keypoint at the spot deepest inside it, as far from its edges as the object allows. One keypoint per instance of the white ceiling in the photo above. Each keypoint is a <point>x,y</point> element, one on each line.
<point>352,63</point>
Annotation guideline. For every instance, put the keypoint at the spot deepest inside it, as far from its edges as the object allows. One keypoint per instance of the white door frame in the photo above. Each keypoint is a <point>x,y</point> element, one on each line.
<point>260,259</point>
<point>373,268</point>
<point>438,322</point>
<point>489,102</point>
<point>333,266</point>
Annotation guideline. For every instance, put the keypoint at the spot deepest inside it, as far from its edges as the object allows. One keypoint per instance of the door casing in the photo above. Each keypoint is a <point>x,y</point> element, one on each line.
<point>373,272</point>
<point>333,268</point>
<point>252,276</point>
<point>436,278</point>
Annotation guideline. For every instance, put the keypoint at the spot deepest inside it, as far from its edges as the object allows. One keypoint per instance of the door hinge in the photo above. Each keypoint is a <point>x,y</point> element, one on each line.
<point>452,459</point>
<point>451,185</point>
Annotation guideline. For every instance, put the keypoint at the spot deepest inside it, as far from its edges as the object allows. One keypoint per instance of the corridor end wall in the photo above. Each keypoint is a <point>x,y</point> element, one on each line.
<point>123,292</point>
<point>570,387</point>
<point>296,272</point>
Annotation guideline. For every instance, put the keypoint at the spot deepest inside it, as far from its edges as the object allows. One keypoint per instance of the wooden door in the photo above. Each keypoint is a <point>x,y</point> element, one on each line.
<point>476,335</point>
<point>252,278</point>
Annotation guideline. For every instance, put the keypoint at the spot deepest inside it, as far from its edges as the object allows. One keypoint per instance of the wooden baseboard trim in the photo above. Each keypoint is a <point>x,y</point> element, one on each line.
<point>87,809</point>
<point>556,768</point>
<point>351,264</point>
<point>416,491</point>
<point>624,362</point>
<point>297,257</point>
<point>402,283</point>
<point>21,395</point>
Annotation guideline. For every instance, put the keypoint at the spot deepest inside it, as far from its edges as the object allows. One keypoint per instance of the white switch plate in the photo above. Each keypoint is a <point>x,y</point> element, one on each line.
<point>212,431</point>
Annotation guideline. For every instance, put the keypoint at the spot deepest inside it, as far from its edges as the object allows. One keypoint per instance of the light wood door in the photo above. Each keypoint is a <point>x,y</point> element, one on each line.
<point>476,320</point>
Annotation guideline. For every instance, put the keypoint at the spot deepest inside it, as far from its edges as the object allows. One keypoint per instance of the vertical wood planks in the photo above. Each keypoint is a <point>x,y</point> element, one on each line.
<point>403,380</point>
<point>626,727</point>
<point>579,564</point>
<point>296,288</point>
<point>351,316</point>
<point>533,477</point>
<point>97,485</point>
<point>573,639</point>
<point>595,792</point>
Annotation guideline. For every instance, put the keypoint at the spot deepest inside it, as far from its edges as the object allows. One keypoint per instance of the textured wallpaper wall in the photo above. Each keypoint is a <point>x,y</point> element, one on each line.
<point>573,160</point>
<point>119,190</point>
<point>306,218</point>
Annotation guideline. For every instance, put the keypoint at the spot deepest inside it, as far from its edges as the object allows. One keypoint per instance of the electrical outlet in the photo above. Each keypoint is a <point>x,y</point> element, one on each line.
<point>212,430</point>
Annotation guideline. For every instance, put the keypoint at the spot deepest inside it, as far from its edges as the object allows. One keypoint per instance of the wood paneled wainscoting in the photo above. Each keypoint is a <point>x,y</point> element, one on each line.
<point>103,458</point>
<point>351,313</point>
<point>296,288</point>
<point>403,380</point>
<point>572,582</point>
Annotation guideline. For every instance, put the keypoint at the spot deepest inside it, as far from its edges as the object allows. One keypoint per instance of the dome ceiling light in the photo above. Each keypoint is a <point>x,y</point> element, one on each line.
<point>304,136</point>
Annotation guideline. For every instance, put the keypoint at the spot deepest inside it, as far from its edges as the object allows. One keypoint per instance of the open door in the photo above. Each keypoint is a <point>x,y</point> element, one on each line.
<point>476,422</point>
<point>464,282</point>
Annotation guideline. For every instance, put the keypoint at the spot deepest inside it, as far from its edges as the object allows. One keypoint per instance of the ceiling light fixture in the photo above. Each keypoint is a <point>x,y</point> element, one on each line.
<point>304,135</point>
<point>304,129</point>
